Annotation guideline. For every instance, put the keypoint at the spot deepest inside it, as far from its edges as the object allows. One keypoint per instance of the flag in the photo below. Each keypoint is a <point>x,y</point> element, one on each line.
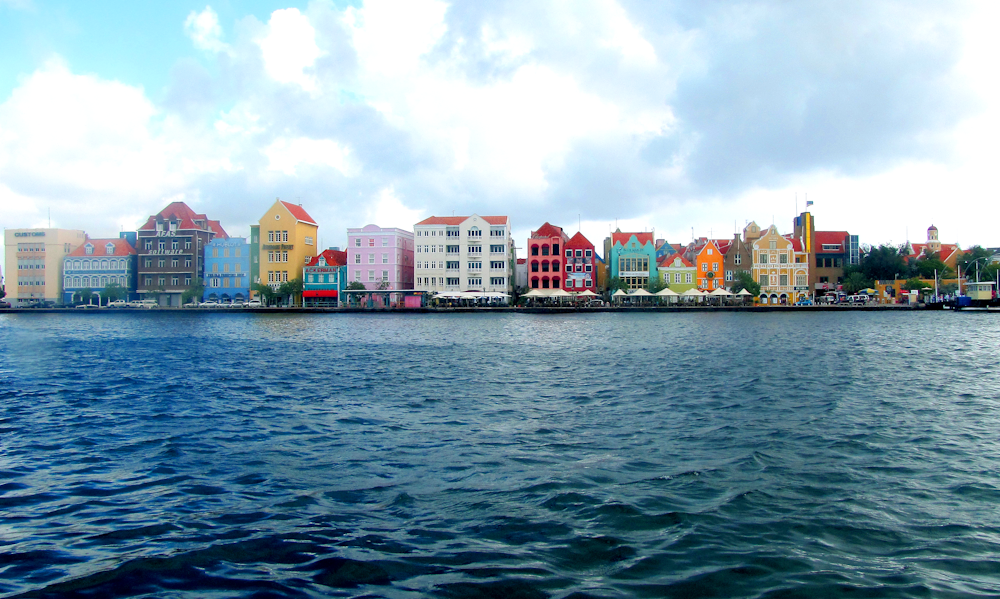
<point>809,203</point>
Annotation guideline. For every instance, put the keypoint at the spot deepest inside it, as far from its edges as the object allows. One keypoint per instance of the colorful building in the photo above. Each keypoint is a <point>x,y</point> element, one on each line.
<point>288,238</point>
<point>325,278</point>
<point>464,253</point>
<point>949,253</point>
<point>677,272</point>
<point>545,262</point>
<point>254,259</point>
<point>709,265</point>
<point>632,258</point>
<point>738,258</point>
<point>227,270</point>
<point>781,266</point>
<point>34,263</point>
<point>380,258</point>
<point>171,254</point>
<point>581,264</point>
<point>98,263</point>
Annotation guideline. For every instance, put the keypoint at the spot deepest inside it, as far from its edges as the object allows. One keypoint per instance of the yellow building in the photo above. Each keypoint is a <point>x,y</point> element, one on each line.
<point>781,266</point>
<point>288,238</point>
<point>34,264</point>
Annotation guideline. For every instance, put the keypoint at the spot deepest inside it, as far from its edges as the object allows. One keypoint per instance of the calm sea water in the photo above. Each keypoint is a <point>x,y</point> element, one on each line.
<point>469,455</point>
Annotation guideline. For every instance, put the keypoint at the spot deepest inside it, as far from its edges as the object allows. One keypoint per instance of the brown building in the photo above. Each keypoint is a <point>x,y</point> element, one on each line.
<point>738,257</point>
<point>171,252</point>
<point>830,252</point>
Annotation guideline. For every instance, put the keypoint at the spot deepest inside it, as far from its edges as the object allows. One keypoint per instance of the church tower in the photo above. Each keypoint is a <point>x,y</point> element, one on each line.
<point>933,244</point>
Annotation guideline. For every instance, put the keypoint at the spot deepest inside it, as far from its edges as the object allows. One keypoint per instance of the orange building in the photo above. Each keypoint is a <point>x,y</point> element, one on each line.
<point>709,265</point>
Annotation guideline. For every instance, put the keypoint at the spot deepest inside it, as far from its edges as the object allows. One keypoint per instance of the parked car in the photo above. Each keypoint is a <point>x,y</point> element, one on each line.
<point>88,306</point>
<point>4,305</point>
<point>209,304</point>
<point>117,304</point>
<point>236,304</point>
<point>252,304</point>
<point>147,303</point>
<point>804,302</point>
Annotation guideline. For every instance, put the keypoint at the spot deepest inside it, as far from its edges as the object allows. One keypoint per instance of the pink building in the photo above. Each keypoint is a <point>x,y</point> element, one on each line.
<point>545,265</point>
<point>380,258</point>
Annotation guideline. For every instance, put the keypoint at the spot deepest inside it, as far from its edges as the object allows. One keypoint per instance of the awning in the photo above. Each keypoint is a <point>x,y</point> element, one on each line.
<point>319,293</point>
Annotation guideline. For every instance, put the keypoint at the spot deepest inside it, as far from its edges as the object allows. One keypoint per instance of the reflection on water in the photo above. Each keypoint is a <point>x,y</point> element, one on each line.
<point>471,455</point>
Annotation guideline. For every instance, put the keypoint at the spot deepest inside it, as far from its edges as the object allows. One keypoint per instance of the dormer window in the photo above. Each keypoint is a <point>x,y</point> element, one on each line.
<point>110,249</point>
<point>88,249</point>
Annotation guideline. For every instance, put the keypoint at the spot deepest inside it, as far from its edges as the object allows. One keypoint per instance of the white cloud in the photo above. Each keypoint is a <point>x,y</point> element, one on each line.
<point>388,211</point>
<point>289,155</point>
<point>204,30</point>
<point>289,48</point>
<point>392,36</point>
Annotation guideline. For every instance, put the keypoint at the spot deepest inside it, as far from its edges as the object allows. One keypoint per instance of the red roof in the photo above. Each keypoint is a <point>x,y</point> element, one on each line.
<point>182,212</point>
<point>298,212</point>
<point>457,220</point>
<point>724,246</point>
<point>332,257</point>
<point>623,238</point>
<point>579,241</point>
<point>668,261</point>
<point>796,244</point>
<point>122,248</point>
<point>830,238</point>
<point>947,249</point>
<point>216,226</point>
<point>548,231</point>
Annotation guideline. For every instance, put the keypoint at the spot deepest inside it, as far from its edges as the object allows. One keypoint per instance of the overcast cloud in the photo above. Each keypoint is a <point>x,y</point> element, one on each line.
<point>667,115</point>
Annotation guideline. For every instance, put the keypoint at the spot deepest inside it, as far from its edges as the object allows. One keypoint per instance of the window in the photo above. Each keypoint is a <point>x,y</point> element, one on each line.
<point>187,244</point>
<point>357,258</point>
<point>270,256</point>
<point>736,258</point>
<point>545,250</point>
<point>800,281</point>
<point>187,262</point>
<point>569,268</point>
<point>385,275</point>
<point>475,232</point>
<point>763,280</point>
<point>163,281</point>
<point>772,245</point>
<point>475,265</point>
<point>704,267</point>
<point>284,256</point>
<point>174,244</point>
<point>688,277</point>
<point>385,258</point>
<point>147,263</point>
<point>677,277</point>
<point>569,253</point>
<point>385,242</point>
<point>475,249</point>
<point>371,258</point>
<point>763,258</point>
<point>498,231</point>
<point>308,240</point>
<point>284,236</point>
<point>109,249</point>
<point>588,267</point>
<point>709,251</point>
<point>534,250</point>
<point>475,282</point>
<point>162,262</point>
<point>783,280</point>
<point>174,262</point>
<point>497,265</point>
<point>783,258</point>
<point>498,281</point>
<point>148,245</point>
<point>452,281</point>
<point>270,237</point>
<point>729,275</point>
<point>496,249</point>
<point>162,245</point>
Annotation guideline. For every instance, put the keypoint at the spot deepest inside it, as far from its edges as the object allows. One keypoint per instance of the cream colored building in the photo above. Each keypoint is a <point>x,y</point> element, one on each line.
<point>463,253</point>
<point>34,263</point>
<point>288,238</point>
<point>781,266</point>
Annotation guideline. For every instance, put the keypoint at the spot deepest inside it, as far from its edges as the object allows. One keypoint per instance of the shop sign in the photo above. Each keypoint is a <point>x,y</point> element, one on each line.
<point>30,234</point>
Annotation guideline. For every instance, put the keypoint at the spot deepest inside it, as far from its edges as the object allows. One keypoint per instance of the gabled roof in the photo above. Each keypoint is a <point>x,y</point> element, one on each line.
<point>216,226</point>
<point>579,241</point>
<point>668,261</point>
<point>622,238</point>
<point>723,245</point>
<point>457,220</point>
<point>796,244</point>
<point>548,231</point>
<point>947,250</point>
<point>332,257</point>
<point>298,212</point>
<point>122,248</point>
<point>183,213</point>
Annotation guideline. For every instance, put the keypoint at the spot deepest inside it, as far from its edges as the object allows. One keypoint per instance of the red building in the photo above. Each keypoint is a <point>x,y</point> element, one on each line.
<point>581,264</point>
<point>545,266</point>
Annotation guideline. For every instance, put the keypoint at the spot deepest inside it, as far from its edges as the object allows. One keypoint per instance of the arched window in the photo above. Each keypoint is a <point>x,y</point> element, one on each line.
<point>534,266</point>
<point>104,264</point>
<point>534,282</point>
<point>534,250</point>
<point>555,266</point>
<point>545,283</point>
<point>545,267</point>
<point>555,282</point>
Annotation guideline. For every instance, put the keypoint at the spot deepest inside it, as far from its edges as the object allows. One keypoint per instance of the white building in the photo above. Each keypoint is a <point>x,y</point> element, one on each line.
<point>463,253</point>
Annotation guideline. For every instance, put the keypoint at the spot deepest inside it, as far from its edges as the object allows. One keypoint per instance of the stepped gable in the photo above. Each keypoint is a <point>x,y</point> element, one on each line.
<point>122,248</point>
<point>622,238</point>
<point>332,257</point>
<point>548,230</point>
<point>298,212</point>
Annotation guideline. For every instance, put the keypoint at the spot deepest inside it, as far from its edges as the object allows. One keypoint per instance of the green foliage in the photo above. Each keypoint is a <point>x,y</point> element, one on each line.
<point>265,292</point>
<point>382,285</point>
<point>155,292</point>
<point>855,282</point>
<point>290,289</point>
<point>356,286</point>
<point>977,256</point>
<point>195,292</point>
<point>84,296</point>
<point>744,280</point>
<point>884,262</point>
<point>916,284</point>
<point>656,285</point>
<point>114,291</point>
<point>929,265</point>
<point>616,283</point>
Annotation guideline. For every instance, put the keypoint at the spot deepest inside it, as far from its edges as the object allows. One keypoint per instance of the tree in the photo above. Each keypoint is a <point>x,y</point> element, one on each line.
<point>616,283</point>
<point>195,292</point>
<point>83,296</point>
<point>926,266</point>
<point>855,282</point>
<point>114,291</point>
<point>744,280</point>
<point>382,285</point>
<point>973,256</point>
<point>916,284</point>
<point>656,285</point>
<point>356,286</point>
<point>154,293</point>
<point>290,289</point>
<point>265,292</point>
<point>884,262</point>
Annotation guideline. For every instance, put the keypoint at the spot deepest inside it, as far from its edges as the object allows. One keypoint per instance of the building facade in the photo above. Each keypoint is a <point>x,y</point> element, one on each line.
<point>632,258</point>
<point>98,263</point>
<point>677,272</point>
<point>325,278</point>
<point>380,258</point>
<point>709,264</point>
<point>581,264</point>
<point>949,253</point>
<point>781,266</point>
<point>738,258</point>
<point>227,270</point>
<point>34,260</point>
<point>545,261</point>
<point>463,253</point>
<point>171,252</point>
<point>288,238</point>
<point>254,258</point>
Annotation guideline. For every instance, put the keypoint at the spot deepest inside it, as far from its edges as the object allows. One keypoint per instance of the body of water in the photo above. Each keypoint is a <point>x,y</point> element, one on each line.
<point>504,455</point>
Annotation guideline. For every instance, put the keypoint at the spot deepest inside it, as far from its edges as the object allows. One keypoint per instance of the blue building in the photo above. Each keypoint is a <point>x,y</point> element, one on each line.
<point>324,279</point>
<point>227,270</point>
<point>97,263</point>
<point>632,258</point>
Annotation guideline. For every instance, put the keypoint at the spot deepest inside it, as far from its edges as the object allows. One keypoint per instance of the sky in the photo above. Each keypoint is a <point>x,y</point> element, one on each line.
<point>686,118</point>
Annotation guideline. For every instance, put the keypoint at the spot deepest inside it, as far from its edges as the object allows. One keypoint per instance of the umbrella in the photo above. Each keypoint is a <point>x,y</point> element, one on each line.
<point>587,293</point>
<point>666,291</point>
<point>744,292</point>
<point>535,293</point>
<point>619,293</point>
<point>641,292</point>
<point>692,293</point>
<point>721,291</point>
<point>559,292</point>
